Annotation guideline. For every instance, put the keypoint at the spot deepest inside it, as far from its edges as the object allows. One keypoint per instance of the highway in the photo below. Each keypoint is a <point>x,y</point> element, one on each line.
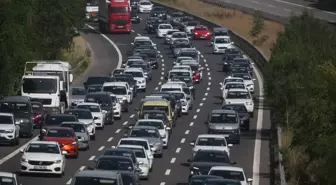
<point>252,154</point>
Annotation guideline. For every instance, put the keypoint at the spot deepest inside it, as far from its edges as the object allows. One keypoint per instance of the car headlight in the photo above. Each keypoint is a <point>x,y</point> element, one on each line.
<point>57,161</point>
<point>9,131</point>
<point>24,160</point>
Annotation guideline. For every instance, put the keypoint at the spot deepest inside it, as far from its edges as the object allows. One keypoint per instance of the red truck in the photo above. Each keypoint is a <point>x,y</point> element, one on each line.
<point>114,16</point>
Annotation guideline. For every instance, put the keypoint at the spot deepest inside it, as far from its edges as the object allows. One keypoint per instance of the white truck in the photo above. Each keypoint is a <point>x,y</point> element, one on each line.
<point>48,82</point>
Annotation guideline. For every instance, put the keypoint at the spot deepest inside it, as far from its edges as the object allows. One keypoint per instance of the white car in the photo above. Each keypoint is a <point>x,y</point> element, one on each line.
<point>138,75</point>
<point>221,43</point>
<point>181,67</point>
<point>186,103</point>
<point>84,116</point>
<point>43,157</point>
<point>210,142</point>
<point>142,158</point>
<point>168,35</point>
<point>121,90</point>
<point>9,178</point>
<point>231,79</point>
<point>145,6</point>
<point>189,26</point>
<point>231,172</point>
<point>163,129</point>
<point>139,142</point>
<point>9,130</point>
<point>240,96</point>
<point>180,59</point>
<point>178,35</point>
<point>248,80</point>
<point>143,38</point>
<point>116,106</point>
<point>96,111</point>
<point>163,29</point>
<point>190,52</point>
<point>232,85</point>
<point>178,72</point>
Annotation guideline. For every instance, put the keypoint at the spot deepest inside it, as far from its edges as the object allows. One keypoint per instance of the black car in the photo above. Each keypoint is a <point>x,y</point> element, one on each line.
<point>149,22</point>
<point>121,152</point>
<point>96,80</point>
<point>153,25</point>
<point>135,17</point>
<point>228,60</point>
<point>126,78</point>
<point>52,120</point>
<point>234,70</point>
<point>159,11</point>
<point>183,21</point>
<point>94,88</point>
<point>242,112</point>
<point>105,102</point>
<point>232,51</point>
<point>175,18</point>
<point>151,58</point>
<point>200,179</point>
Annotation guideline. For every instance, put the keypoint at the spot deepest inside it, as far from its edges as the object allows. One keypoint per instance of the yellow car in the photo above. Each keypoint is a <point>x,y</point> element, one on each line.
<point>162,105</point>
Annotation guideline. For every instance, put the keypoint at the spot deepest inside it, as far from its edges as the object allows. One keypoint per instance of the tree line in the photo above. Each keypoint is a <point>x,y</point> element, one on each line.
<point>301,89</point>
<point>34,30</point>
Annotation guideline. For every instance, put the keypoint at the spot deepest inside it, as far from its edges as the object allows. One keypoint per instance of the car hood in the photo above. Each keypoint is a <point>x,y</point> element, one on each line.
<point>86,121</point>
<point>162,132</point>
<point>7,127</point>
<point>204,167</point>
<point>64,141</point>
<point>41,156</point>
<point>145,6</point>
<point>151,140</point>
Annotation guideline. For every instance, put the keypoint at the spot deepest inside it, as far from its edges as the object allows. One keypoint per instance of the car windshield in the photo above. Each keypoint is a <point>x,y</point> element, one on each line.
<point>134,61</point>
<point>97,80</point>
<point>213,157</point>
<point>43,148</point>
<point>165,27</point>
<point>230,57</point>
<point>57,120</point>
<point>6,120</point>
<point>94,181</point>
<point>238,108</point>
<point>244,65</point>
<point>182,78</point>
<point>144,133</point>
<point>198,181</point>
<point>144,67</point>
<point>11,107</point>
<point>156,124</point>
<point>139,153</point>
<point>211,141</point>
<point>178,73</point>
<point>233,80</point>
<point>79,128</point>
<point>122,153</point>
<point>220,33</point>
<point>222,40</point>
<point>201,28</point>
<point>78,91</point>
<point>228,174</point>
<point>179,96</point>
<point>152,115</point>
<point>189,54</point>
<point>117,90</point>
<point>238,70</point>
<point>145,3</point>
<point>39,85</point>
<point>224,118</point>
<point>65,133</point>
<point>92,108</point>
<point>135,74</point>
<point>103,100</point>
<point>238,95</point>
<point>94,88</point>
<point>193,23</point>
<point>149,53</point>
<point>179,35</point>
<point>134,142</point>
<point>155,107</point>
<point>7,181</point>
<point>79,114</point>
<point>235,86</point>
<point>114,164</point>
<point>142,42</point>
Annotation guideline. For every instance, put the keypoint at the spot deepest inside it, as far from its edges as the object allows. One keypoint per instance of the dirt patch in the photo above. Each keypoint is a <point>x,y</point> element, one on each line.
<point>235,20</point>
<point>79,55</point>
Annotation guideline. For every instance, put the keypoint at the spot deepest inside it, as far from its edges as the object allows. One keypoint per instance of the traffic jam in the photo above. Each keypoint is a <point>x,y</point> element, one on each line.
<point>69,118</point>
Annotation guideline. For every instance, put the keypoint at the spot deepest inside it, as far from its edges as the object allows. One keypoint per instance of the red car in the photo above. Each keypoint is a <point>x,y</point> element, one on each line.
<point>65,136</point>
<point>201,32</point>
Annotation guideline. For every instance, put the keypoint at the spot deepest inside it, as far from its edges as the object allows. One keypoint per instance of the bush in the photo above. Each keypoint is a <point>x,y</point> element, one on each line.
<point>33,30</point>
<point>300,89</point>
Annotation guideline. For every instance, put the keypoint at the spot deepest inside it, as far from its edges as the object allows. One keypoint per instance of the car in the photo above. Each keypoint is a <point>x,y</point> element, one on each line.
<point>122,152</point>
<point>9,178</point>
<point>65,136</point>
<point>200,179</point>
<point>122,91</point>
<point>147,69</point>
<point>190,26</point>
<point>77,94</point>
<point>93,80</point>
<point>159,103</point>
<point>135,17</point>
<point>231,79</point>
<point>183,21</point>
<point>139,76</point>
<point>118,71</point>
<point>85,116</point>
<point>243,60</point>
<point>190,52</point>
<point>145,6</point>
<point>141,155</point>
<point>151,57</point>
<point>117,108</point>
<point>105,101</point>
<point>43,157</point>
<point>221,43</point>
<point>139,142</point>
<point>231,85</point>
<point>243,114</point>
<point>175,18</point>
<point>38,113</point>
<point>187,103</point>
<point>52,120</point>
<point>210,142</point>
<point>97,176</point>
<point>93,88</point>
<point>133,61</point>
<point>233,51</point>
<point>152,134</point>
<point>180,59</point>
<point>142,40</point>
<point>203,160</point>
<point>178,45</point>
<point>153,25</point>
<point>181,67</point>
<point>126,78</point>
<point>220,31</point>
<point>162,30</point>
<point>96,111</point>
<point>178,72</point>
<point>159,124</point>
<point>225,122</point>
<point>240,96</point>
<point>128,178</point>
<point>234,70</point>
<point>157,114</point>
<point>201,32</point>
<point>83,136</point>
<point>160,12</point>
<point>9,130</point>
<point>168,35</point>
<point>187,80</point>
<point>178,35</point>
<point>228,60</point>
<point>231,172</point>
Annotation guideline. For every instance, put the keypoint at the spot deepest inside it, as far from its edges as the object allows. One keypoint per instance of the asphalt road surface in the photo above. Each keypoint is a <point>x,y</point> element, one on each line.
<point>282,8</point>
<point>252,154</point>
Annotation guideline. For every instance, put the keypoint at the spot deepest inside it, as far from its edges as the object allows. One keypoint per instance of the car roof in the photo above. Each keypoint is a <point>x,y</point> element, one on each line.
<point>222,37</point>
<point>179,70</point>
<point>210,136</point>
<point>115,83</point>
<point>145,127</point>
<point>155,102</point>
<point>221,111</point>
<point>118,149</point>
<point>154,111</point>
<point>78,110</point>
<point>43,142</point>
<point>7,174</point>
<point>233,168</point>
<point>238,90</point>
<point>60,115</point>
<point>73,122</point>
<point>60,128</point>
<point>172,85</point>
<point>114,157</point>
<point>133,139</point>
<point>97,174</point>
<point>152,120</point>
<point>99,93</point>
<point>134,69</point>
<point>130,146</point>
<point>88,103</point>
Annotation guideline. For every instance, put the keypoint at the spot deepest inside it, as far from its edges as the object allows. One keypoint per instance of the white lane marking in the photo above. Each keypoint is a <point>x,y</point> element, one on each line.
<point>140,18</point>
<point>201,104</point>
<point>162,73</point>
<point>11,155</point>
<point>206,65</point>
<point>132,116</point>
<point>117,131</point>
<point>159,52</point>
<point>156,88</point>
<point>139,34</point>
<point>162,183</point>
<point>111,42</point>
<point>159,83</point>
<point>205,60</point>
<point>69,181</point>
<point>92,157</point>
<point>195,117</point>
<point>125,123</point>
<point>209,73</point>
<point>206,94</point>
<point>81,168</point>
<point>110,139</point>
<point>162,66</point>
<point>208,69</point>
<point>203,99</point>
<point>132,31</point>
<point>202,56</point>
<point>209,83</point>
<point>183,140</point>
<point>287,10</point>
<point>191,124</point>
<point>255,2</point>
<point>162,69</point>
<point>161,78</point>
<point>271,6</point>
<point>173,160</point>
<point>167,172</point>
<point>101,148</point>
<point>178,150</point>
<point>208,88</point>
<point>198,110</point>
<point>161,56</point>
<point>187,131</point>
<point>162,61</point>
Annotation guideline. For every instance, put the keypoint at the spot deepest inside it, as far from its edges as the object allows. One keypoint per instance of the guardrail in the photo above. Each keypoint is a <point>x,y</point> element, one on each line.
<point>262,63</point>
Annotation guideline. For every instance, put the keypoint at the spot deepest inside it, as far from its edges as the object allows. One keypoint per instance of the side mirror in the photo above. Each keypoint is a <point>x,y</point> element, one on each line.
<point>71,77</point>
<point>192,144</point>
<point>189,160</point>
<point>95,118</point>
<point>22,150</point>
<point>168,128</point>
<point>64,152</point>
<point>195,168</point>
<point>249,180</point>
<point>129,127</point>
<point>254,79</point>
<point>230,145</point>
<point>140,162</point>
<point>138,170</point>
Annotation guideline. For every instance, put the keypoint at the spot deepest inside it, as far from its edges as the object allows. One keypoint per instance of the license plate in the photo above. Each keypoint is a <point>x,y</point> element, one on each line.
<point>202,37</point>
<point>40,167</point>
<point>120,26</point>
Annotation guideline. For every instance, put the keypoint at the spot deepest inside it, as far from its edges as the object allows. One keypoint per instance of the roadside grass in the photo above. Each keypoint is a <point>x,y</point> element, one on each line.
<point>235,20</point>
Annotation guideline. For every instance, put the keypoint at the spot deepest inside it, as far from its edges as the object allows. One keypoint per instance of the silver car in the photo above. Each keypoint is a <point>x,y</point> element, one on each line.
<point>152,135</point>
<point>226,122</point>
<point>77,95</point>
<point>81,132</point>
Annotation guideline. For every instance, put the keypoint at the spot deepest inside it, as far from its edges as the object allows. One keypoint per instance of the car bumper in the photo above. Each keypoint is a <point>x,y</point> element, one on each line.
<point>141,86</point>
<point>7,138</point>
<point>144,171</point>
<point>50,169</point>
<point>99,123</point>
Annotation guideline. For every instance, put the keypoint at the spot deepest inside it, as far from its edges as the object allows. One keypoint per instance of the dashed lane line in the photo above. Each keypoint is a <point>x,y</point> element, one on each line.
<point>132,116</point>
<point>101,148</point>
<point>183,140</point>
<point>162,183</point>
<point>195,117</point>
<point>187,131</point>
<point>125,123</point>
<point>110,139</point>
<point>173,160</point>
<point>167,172</point>
<point>206,94</point>
<point>203,99</point>
<point>178,150</point>
<point>82,168</point>
<point>117,131</point>
<point>92,158</point>
<point>191,124</point>
<point>198,110</point>
<point>201,104</point>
